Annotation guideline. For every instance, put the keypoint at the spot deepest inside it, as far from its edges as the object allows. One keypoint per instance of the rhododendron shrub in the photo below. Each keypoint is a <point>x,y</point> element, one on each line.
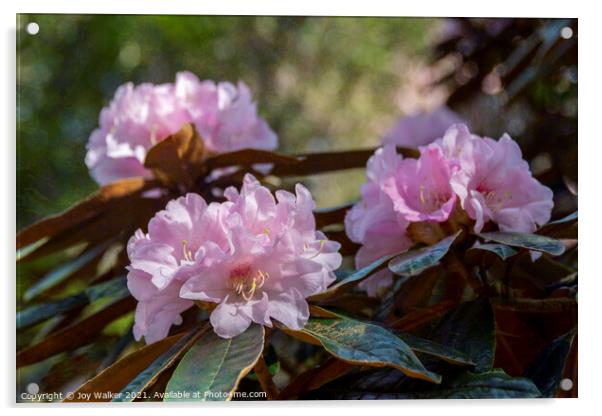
<point>257,257</point>
<point>191,269</point>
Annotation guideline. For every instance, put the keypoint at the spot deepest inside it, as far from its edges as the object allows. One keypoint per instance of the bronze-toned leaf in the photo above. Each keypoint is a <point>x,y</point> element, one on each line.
<point>83,211</point>
<point>179,159</point>
<point>114,378</point>
<point>75,335</point>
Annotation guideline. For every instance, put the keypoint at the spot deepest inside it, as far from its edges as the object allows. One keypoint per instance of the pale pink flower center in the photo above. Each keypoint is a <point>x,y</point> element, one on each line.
<point>432,200</point>
<point>495,200</point>
<point>245,281</point>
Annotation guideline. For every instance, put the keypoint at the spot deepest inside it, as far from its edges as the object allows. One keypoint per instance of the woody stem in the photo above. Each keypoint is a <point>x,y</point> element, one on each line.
<point>265,378</point>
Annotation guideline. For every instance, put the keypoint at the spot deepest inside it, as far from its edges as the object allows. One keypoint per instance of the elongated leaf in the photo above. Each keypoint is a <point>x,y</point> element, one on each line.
<point>568,219</point>
<point>116,288</point>
<point>75,335</point>
<point>425,346</point>
<point>501,250</point>
<point>495,384</point>
<point>365,344</point>
<point>469,328</point>
<point>215,365</point>
<point>83,211</point>
<point>248,157</point>
<point>354,278</point>
<point>416,261</point>
<point>528,241</point>
<point>546,371</point>
<point>62,272</point>
<point>313,163</point>
<point>114,378</point>
<point>151,373</point>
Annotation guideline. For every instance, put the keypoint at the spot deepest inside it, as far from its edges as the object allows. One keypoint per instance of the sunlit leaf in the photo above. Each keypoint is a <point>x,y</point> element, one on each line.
<point>84,210</point>
<point>150,374</point>
<point>216,365</point>
<point>528,241</point>
<point>354,278</point>
<point>501,250</point>
<point>416,261</point>
<point>364,344</point>
<point>114,378</point>
<point>178,160</point>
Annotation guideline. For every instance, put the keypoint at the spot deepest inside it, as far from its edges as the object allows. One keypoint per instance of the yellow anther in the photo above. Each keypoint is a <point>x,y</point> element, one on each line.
<point>422,198</point>
<point>322,242</point>
<point>187,253</point>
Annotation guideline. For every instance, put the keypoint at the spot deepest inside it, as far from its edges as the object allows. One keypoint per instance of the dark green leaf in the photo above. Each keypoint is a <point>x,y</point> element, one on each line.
<point>469,328</point>
<point>528,241</point>
<point>546,371</point>
<point>569,218</point>
<point>495,384</point>
<point>361,343</point>
<point>62,272</point>
<point>216,365</point>
<point>147,377</point>
<point>426,346</point>
<point>355,277</point>
<point>115,288</point>
<point>502,251</point>
<point>416,261</point>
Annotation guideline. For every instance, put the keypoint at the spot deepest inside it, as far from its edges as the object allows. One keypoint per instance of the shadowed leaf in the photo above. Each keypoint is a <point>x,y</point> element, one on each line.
<point>470,328</point>
<point>116,288</point>
<point>528,241</point>
<point>217,365</point>
<point>426,346</point>
<point>495,384</point>
<point>547,369</point>
<point>75,335</point>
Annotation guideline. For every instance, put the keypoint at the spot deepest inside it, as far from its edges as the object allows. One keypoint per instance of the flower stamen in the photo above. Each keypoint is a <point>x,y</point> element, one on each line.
<point>187,253</point>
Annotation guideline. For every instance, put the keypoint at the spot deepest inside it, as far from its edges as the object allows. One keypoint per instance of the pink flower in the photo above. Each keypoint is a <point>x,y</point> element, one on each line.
<point>374,223</point>
<point>494,182</point>
<point>224,114</point>
<point>422,128</point>
<point>419,188</point>
<point>136,119</point>
<point>140,116</point>
<point>256,256</point>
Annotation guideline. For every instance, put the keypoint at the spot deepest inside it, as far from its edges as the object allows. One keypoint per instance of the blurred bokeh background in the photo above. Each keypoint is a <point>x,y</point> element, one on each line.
<point>321,83</point>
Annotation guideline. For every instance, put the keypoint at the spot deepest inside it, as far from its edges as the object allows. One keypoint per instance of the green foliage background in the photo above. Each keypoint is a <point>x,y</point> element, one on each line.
<point>322,83</point>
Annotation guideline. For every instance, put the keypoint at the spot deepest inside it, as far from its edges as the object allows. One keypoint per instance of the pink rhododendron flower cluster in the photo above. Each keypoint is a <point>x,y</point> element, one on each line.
<point>421,128</point>
<point>140,116</point>
<point>258,257</point>
<point>488,179</point>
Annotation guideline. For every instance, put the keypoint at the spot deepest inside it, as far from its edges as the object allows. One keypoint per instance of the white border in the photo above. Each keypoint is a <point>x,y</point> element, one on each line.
<point>590,200</point>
